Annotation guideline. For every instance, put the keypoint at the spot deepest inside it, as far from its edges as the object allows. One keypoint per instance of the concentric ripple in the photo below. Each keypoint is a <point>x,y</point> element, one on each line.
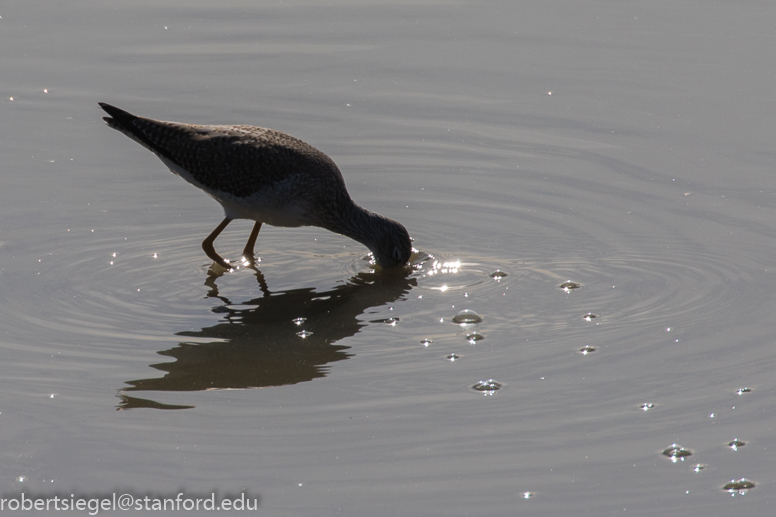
<point>140,283</point>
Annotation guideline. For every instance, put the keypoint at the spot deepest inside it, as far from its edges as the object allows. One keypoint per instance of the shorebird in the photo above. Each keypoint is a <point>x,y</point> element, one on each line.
<point>266,176</point>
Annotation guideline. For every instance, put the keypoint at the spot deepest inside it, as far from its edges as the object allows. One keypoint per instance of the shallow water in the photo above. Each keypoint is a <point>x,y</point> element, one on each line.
<point>624,149</point>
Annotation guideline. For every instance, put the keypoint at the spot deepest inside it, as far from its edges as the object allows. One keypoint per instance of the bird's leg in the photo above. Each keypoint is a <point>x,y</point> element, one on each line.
<point>207,244</point>
<point>248,250</point>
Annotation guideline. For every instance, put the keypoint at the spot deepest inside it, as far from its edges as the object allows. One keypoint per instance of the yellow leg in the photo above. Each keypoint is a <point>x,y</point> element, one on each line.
<point>248,251</point>
<point>207,244</point>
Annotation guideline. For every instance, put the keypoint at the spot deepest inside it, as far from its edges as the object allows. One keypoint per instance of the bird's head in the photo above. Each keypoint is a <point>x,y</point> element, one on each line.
<point>393,247</point>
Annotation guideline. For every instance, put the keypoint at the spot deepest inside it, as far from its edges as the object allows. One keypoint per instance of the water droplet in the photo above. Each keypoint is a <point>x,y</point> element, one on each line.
<point>741,391</point>
<point>299,321</point>
<point>473,337</point>
<point>425,342</point>
<point>677,452</point>
<point>304,334</point>
<point>646,406</point>
<point>466,316</point>
<point>498,275</point>
<point>740,486</point>
<point>735,444</point>
<point>487,387</point>
<point>569,286</point>
<point>388,321</point>
<point>698,467</point>
<point>589,316</point>
<point>453,357</point>
<point>587,349</point>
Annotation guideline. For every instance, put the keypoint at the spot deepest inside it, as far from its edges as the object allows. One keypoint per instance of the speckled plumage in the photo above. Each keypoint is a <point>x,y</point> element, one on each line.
<point>267,176</point>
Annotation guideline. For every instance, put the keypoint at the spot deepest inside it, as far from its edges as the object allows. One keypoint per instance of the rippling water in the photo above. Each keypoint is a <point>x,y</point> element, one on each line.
<point>593,223</point>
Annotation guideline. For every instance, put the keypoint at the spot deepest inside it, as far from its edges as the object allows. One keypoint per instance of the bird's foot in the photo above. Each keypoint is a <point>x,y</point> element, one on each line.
<point>250,259</point>
<point>224,264</point>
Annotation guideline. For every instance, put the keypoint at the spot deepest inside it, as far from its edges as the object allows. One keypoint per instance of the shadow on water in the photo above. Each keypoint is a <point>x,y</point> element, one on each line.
<point>257,343</point>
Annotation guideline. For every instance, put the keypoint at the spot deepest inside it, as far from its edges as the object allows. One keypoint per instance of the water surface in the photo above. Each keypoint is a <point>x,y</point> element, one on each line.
<point>625,149</point>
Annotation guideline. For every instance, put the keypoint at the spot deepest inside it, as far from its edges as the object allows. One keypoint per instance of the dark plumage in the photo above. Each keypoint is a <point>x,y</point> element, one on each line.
<point>266,176</point>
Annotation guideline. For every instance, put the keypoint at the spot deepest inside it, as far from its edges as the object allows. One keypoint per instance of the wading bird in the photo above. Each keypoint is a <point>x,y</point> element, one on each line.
<point>266,176</point>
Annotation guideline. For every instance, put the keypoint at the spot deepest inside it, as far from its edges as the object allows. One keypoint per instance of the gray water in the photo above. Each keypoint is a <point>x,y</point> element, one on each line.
<point>625,147</point>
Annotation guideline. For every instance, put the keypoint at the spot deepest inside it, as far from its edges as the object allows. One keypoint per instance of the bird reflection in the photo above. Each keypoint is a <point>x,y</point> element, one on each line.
<point>257,342</point>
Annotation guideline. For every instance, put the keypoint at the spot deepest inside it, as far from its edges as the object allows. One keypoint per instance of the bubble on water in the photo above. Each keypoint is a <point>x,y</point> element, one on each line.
<point>587,349</point>
<point>389,321</point>
<point>589,316</point>
<point>22,479</point>
<point>298,321</point>
<point>739,487</point>
<point>528,495</point>
<point>425,342</point>
<point>735,444</point>
<point>741,391</point>
<point>676,452</point>
<point>466,317</point>
<point>698,467</point>
<point>304,334</point>
<point>569,286</point>
<point>646,406</point>
<point>487,387</point>
<point>498,275</point>
<point>473,337</point>
<point>453,357</point>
